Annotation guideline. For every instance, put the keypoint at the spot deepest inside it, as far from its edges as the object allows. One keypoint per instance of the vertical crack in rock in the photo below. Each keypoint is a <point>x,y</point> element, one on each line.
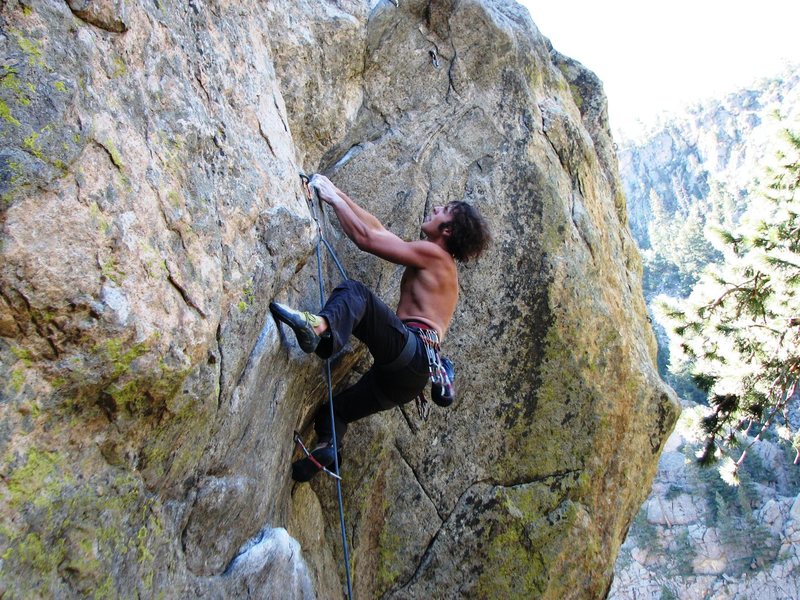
<point>183,293</point>
<point>451,86</point>
<point>280,114</point>
<point>112,154</point>
<point>411,426</point>
<point>419,482</point>
<point>192,503</point>
<point>553,146</point>
<point>199,79</point>
<point>266,138</point>
<point>426,556</point>
<point>576,222</point>
<point>255,353</point>
<point>221,382</point>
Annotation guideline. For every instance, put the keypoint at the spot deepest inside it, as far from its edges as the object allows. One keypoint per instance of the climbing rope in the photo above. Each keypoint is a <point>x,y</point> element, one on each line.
<point>311,194</point>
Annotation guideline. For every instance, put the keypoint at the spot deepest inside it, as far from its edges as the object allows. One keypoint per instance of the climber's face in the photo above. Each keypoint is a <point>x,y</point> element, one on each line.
<point>435,224</point>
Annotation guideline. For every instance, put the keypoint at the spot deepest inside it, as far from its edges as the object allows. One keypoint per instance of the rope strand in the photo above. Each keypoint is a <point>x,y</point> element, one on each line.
<point>311,195</point>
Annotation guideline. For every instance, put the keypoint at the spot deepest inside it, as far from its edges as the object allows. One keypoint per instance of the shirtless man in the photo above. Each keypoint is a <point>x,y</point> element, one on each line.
<point>428,297</point>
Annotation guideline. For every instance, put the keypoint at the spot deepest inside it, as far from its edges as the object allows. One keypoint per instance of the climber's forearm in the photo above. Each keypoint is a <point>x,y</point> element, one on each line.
<point>367,218</point>
<point>354,227</point>
<point>355,215</point>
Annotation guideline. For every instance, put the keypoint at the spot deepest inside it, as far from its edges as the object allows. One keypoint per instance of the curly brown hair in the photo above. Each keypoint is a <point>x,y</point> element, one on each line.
<point>469,233</point>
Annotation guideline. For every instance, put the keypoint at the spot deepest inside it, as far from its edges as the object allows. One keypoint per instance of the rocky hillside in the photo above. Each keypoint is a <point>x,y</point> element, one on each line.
<point>711,153</point>
<point>151,209</point>
<point>698,537</point>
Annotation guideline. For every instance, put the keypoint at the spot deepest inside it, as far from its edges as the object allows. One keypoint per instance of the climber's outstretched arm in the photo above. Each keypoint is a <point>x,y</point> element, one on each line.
<point>369,234</point>
<point>332,194</point>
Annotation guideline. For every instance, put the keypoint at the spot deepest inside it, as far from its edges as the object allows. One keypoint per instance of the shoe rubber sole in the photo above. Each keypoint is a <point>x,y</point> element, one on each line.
<point>307,338</point>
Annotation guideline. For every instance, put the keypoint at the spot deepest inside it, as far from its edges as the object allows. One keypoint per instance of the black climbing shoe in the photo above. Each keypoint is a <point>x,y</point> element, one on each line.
<point>306,468</point>
<point>325,348</point>
<point>302,323</point>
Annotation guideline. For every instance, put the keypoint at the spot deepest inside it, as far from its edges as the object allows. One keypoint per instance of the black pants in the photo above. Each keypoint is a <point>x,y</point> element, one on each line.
<point>353,308</point>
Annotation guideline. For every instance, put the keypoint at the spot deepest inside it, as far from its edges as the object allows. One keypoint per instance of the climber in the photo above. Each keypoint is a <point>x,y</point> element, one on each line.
<point>396,339</point>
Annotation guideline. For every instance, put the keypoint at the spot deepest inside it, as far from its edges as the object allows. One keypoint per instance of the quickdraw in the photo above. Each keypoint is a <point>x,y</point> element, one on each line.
<point>299,441</point>
<point>439,371</point>
<point>436,368</point>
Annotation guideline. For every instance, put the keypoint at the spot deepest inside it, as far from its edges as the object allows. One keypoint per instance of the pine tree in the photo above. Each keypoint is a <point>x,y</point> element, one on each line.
<point>739,330</point>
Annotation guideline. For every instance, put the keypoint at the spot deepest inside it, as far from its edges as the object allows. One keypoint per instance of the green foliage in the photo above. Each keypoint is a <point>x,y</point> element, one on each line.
<point>644,531</point>
<point>678,253</point>
<point>683,554</point>
<point>679,249</point>
<point>667,594</point>
<point>730,511</point>
<point>738,332</point>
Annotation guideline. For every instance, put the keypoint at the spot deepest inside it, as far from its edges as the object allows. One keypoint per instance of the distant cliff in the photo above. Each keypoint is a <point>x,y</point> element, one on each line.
<point>712,152</point>
<point>151,209</point>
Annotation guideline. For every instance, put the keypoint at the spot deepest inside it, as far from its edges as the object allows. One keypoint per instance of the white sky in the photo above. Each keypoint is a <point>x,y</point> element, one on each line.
<point>659,56</point>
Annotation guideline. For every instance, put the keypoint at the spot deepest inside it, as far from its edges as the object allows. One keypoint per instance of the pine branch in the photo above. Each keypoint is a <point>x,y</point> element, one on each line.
<point>737,288</point>
<point>778,408</point>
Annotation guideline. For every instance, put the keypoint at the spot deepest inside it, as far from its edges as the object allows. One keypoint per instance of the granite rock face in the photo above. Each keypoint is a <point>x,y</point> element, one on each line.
<point>151,209</point>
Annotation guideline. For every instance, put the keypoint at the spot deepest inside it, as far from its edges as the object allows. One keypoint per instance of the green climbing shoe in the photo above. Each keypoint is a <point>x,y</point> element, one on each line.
<point>302,323</point>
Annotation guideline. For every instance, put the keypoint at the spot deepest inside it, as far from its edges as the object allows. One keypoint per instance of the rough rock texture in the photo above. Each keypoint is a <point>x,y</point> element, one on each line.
<point>697,537</point>
<point>150,211</point>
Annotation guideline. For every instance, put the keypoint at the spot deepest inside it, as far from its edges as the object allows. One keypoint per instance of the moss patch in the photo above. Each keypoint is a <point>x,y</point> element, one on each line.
<point>67,536</point>
<point>10,82</point>
<point>17,380</point>
<point>38,481</point>
<point>530,525</point>
<point>120,69</point>
<point>31,48</point>
<point>390,544</point>
<point>32,145</point>
<point>5,114</point>
<point>121,353</point>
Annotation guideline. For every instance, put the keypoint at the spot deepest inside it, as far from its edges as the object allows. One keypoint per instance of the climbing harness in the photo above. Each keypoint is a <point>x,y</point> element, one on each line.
<point>439,375</point>
<point>310,196</point>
